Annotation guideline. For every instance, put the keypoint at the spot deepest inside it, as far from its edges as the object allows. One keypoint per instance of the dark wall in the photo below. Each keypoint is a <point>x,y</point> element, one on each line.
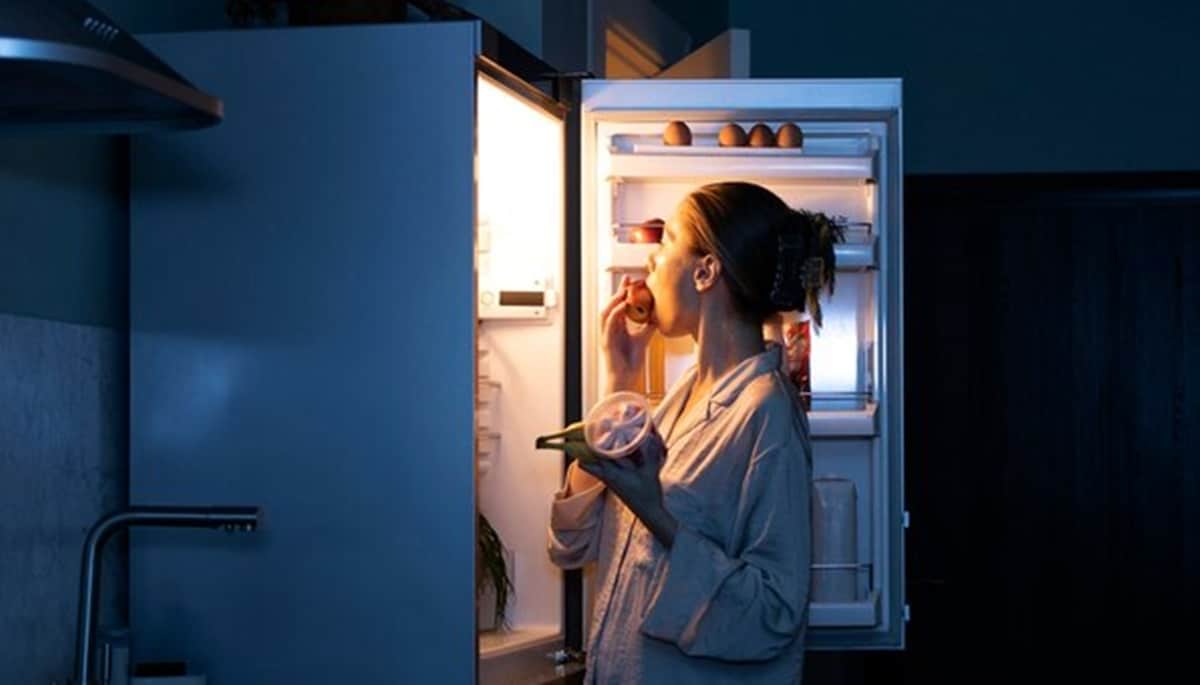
<point>703,19</point>
<point>1022,86</point>
<point>1053,430</point>
<point>64,226</point>
<point>64,231</point>
<point>64,217</point>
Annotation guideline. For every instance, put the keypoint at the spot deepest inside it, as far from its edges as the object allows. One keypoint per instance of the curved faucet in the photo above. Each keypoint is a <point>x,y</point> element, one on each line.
<point>227,518</point>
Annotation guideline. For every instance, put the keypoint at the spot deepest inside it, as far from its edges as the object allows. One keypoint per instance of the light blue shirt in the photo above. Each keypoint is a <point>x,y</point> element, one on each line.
<point>728,603</point>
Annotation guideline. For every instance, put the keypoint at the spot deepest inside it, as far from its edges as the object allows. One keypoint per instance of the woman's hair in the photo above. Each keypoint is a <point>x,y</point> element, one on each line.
<point>777,259</point>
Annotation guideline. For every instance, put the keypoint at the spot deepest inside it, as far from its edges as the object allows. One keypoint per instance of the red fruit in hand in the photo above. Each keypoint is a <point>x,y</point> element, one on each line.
<point>639,302</point>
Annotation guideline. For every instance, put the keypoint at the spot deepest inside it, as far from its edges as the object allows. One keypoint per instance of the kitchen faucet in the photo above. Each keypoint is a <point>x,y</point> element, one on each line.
<point>227,518</point>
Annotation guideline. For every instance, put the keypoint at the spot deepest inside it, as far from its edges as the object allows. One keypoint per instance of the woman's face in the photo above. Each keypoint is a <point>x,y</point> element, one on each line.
<point>671,280</point>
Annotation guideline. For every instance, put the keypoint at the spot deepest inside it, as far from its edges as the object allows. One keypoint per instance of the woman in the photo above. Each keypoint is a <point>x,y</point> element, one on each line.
<point>703,538</point>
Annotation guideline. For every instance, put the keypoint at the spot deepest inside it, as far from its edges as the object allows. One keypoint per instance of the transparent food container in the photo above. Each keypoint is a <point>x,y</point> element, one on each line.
<point>616,426</point>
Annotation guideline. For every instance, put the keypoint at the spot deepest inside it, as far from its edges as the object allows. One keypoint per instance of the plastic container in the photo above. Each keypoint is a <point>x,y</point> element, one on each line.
<point>616,426</point>
<point>835,540</point>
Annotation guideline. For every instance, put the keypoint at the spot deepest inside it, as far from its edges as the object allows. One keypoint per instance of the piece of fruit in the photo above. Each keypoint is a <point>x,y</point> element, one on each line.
<point>639,302</point>
<point>649,231</point>
<point>677,133</point>
<point>789,135</point>
<point>761,136</point>
<point>731,135</point>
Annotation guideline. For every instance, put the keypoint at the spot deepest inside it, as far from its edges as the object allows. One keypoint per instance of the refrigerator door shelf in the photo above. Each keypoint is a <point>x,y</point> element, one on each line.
<point>864,614</point>
<point>844,423</point>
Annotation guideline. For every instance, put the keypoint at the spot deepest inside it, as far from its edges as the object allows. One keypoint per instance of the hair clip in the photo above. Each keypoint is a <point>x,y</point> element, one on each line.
<point>789,271</point>
<point>813,273</point>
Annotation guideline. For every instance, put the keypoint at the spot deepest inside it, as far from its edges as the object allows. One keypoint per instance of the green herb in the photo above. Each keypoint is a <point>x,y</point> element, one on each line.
<point>491,567</point>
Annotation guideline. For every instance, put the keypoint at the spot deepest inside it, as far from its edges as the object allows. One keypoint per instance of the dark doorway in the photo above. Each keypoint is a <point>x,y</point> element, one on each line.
<point>1052,429</point>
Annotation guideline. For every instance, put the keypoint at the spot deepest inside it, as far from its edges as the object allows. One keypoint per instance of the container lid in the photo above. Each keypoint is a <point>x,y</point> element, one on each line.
<point>617,424</point>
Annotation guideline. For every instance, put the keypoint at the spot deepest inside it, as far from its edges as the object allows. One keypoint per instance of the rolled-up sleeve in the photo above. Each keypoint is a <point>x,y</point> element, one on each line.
<point>753,605</point>
<point>575,525</point>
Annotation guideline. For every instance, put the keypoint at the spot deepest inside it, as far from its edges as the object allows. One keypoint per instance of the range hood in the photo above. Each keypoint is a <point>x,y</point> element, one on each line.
<point>65,66</point>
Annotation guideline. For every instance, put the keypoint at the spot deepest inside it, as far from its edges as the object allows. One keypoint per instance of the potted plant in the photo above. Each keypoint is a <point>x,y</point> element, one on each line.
<point>492,582</point>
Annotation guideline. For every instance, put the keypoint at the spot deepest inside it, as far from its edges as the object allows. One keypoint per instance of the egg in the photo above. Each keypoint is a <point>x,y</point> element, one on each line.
<point>731,135</point>
<point>789,135</point>
<point>761,136</point>
<point>677,133</point>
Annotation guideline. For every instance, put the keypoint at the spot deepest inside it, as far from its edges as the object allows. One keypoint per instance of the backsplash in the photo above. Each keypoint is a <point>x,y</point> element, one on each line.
<point>63,464</point>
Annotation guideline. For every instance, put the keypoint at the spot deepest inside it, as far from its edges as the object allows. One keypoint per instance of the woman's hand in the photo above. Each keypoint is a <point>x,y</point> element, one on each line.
<point>624,351</point>
<point>635,480</point>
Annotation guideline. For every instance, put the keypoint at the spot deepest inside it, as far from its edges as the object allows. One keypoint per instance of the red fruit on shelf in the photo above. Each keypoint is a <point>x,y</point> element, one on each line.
<point>649,231</point>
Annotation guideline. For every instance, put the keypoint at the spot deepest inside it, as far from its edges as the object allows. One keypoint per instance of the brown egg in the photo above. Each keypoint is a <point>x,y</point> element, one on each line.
<point>677,133</point>
<point>761,136</point>
<point>789,135</point>
<point>731,135</point>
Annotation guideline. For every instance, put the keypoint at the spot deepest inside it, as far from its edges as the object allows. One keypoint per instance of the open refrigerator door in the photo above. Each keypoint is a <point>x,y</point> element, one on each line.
<point>646,144</point>
<point>520,358</point>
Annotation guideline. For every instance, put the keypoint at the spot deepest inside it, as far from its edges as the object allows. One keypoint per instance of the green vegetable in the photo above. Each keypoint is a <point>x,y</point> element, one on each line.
<point>569,440</point>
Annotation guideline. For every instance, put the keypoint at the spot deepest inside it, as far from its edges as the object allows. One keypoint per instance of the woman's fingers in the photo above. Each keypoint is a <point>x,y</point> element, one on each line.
<point>617,298</point>
<point>624,463</point>
<point>595,467</point>
<point>612,304</point>
<point>643,333</point>
<point>615,320</point>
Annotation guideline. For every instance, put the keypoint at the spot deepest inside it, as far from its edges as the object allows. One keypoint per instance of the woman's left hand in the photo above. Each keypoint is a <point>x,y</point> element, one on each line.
<point>635,480</point>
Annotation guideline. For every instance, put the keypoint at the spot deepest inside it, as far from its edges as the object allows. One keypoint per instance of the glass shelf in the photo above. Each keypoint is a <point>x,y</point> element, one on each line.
<point>782,164</point>
<point>851,256</point>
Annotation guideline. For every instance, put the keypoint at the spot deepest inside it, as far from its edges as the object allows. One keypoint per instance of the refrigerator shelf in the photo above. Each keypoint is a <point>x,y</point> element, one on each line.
<point>707,145</point>
<point>856,256</point>
<point>863,614</point>
<point>743,163</point>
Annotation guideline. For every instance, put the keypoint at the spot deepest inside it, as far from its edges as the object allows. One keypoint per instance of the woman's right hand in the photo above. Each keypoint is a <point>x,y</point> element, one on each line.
<point>624,351</point>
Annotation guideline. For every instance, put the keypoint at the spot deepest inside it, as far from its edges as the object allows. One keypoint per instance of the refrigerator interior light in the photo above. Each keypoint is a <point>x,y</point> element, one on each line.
<point>520,157</point>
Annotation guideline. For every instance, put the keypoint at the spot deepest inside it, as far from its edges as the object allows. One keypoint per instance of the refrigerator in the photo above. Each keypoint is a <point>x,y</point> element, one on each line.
<point>357,301</point>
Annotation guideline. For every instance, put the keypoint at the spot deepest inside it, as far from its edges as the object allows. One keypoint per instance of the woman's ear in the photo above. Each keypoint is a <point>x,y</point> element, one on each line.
<point>706,272</point>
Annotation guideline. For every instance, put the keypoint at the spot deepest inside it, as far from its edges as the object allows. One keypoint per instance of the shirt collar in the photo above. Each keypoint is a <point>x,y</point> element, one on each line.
<point>723,394</point>
<point>730,385</point>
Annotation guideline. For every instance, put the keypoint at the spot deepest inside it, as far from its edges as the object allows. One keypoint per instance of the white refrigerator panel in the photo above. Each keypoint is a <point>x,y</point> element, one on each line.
<point>519,251</point>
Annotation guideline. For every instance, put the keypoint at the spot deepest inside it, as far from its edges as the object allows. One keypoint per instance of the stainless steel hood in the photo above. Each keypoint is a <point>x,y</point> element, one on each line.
<point>64,66</point>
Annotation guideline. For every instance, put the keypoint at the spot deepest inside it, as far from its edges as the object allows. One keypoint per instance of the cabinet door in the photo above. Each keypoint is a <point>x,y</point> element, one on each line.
<point>849,165</point>
<point>302,315</point>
